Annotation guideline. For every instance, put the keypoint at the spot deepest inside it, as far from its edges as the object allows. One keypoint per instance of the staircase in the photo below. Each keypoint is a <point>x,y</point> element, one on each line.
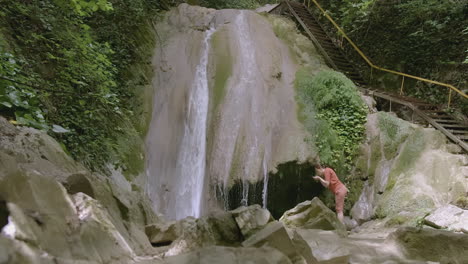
<point>455,130</point>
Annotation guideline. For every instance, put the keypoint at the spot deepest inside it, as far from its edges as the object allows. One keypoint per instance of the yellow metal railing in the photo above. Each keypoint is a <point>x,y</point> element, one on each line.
<point>373,66</point>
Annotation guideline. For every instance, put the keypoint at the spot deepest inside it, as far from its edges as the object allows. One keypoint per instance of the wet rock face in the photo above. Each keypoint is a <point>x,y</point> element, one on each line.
<point>431,245</point>
<point>402,165</point>
<point>252,123</point>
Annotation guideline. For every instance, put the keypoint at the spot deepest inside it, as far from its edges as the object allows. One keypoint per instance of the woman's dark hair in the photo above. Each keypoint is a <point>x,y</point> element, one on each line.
<point>318,166</point>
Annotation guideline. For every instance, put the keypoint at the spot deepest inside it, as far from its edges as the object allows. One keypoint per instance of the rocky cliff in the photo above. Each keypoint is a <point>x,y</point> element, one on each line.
<point>225,109</point>
<point>53,210</point>
<point>408,171</point>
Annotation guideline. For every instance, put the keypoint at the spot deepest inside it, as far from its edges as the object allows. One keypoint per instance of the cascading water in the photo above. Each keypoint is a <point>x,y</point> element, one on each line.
<point>198,162</point>
<point>247,80</point>
<point>265,184</point>
<point>188,188</point>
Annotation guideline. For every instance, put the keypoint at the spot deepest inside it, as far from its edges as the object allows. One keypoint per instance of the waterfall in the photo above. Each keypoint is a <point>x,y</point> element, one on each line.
<point>265,184</point>
<point>186,198</point>
<point>247,80</point>
<point>245,193</point>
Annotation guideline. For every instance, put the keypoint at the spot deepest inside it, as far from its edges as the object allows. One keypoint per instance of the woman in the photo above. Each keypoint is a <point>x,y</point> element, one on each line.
<point>331,181</point>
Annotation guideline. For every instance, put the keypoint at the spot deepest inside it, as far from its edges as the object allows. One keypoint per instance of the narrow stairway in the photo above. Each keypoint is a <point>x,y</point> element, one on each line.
<point>455,130</point>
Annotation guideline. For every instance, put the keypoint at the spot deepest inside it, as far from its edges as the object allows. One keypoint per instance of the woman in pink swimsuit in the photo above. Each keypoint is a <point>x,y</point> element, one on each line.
<point>331,181</point>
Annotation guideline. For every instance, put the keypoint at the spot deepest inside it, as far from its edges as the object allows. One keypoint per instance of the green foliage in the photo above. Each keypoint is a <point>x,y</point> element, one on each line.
<point>77,55</point>
<point>18,101</point>
<point>335,114</point>
<point>84,8</point>
<point>228,4</point>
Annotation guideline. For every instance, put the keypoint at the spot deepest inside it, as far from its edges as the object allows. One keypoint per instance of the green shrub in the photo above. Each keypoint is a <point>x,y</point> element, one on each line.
<point>334,113</point>
<point>228,4</point>
<point>17,101</point>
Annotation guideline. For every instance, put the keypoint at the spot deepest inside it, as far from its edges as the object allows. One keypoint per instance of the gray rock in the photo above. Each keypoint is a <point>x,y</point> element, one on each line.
<point>162,233</point>
<point>48,226</point>
<point>370,103</point>
<point>350,223</point>
<point>79,182</point>
<point>100,238</point>
<point>275,235</point>
<point>217,228</point>
<point>319,246</point>
<point>19,252</point>
<point>429,244</point>
<point>363,209</point>
<point>45,219</point>
<point>449,217</point>
<point>32,149</point>
<point>313,215</point>
<point>6,250</point>
<point>229,255</point>
<point>251,219</point>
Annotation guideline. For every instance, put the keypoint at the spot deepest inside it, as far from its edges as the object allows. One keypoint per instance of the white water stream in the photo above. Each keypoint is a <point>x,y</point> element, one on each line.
<point>186,198</point>
<point>247,81</point>
<point>265,184</point>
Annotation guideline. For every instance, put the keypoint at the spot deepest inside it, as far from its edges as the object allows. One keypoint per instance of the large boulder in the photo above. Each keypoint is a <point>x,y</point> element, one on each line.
<point>449,217</point>
<point>71,229</point>
<point>41,213</point>
<point>402,164</point>
<point>275,235</point>
<point>229,255</point>
<point>163,233</point>
<point>319,246</point>
<point>99,237</point>
<point>217,228</point>
<point>31,149</point>
<point>313,215</point>
<point>251,219</point>
<point>429,244</point>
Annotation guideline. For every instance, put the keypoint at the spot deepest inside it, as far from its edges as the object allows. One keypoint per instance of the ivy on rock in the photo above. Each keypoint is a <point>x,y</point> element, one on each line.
<point>334,113</point>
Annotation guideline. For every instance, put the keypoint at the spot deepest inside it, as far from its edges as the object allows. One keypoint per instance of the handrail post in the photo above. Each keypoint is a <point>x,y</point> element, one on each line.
<point>449,98</point>
<point>371,71</point>
<point>402,84</point>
